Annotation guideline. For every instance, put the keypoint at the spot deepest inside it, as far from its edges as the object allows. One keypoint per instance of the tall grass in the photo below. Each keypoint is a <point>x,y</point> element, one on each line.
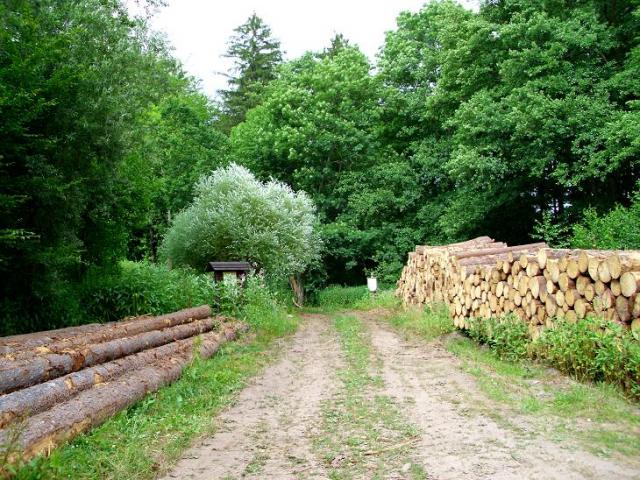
<point>591,350</point>
<point>135,288</point>
<point>428,323</point>
<point>144,440</point>
<point>335,297</point>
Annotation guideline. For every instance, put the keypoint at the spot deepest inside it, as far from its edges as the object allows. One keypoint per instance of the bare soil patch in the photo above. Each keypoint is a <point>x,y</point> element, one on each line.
<point>272,431</point>
<point>266,434</point>
<point>460,443</point>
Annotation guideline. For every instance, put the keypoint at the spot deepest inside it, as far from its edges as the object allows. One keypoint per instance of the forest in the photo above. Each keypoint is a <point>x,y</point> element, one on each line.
<point>520,121</point>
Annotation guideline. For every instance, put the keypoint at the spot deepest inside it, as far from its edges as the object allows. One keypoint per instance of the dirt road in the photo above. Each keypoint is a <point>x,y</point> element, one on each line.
<point>411,413</point>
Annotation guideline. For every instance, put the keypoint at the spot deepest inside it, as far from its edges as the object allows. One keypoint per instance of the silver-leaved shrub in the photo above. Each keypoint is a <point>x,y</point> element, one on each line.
<point>235,216</point>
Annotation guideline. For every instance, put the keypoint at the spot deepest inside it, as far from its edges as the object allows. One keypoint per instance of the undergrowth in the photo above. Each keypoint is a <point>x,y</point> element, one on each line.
<point>428,323</point>
<point>508,337</point>
<point>136,288</point>
<point>589,350</point>
<point>142,441</point>
<point>336,298</point>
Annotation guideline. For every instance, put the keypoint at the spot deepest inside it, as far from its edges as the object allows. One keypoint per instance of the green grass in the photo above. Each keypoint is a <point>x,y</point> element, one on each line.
<point>363,434</point>
<point>428,324</point>
<point>145,439</point>
<point>596,414</point>
<point>591,350</point>
<point>610,422</point>
<point>336,298</point>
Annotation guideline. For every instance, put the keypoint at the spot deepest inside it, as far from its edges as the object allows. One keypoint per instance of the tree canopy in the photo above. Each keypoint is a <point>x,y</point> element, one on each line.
<point>255,54</point>
<point>235,217</point>
<point>318,129</point>
<point>514,109</point>
<point>476,123</point>
<point>101,135</point>
<point>519,121</point>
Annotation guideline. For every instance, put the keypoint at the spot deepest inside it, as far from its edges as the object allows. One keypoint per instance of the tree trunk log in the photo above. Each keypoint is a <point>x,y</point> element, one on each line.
<point>89,408</point>
<point>35,399</point>
<point>26,372</point>
<point>55,341</point>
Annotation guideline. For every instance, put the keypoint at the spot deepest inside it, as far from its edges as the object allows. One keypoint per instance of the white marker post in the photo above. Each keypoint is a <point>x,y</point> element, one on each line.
<point>372,284</point>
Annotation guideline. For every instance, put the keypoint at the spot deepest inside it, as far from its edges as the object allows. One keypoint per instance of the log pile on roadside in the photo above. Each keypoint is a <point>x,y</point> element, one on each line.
<point>482,278</point>
<point>57,384</point>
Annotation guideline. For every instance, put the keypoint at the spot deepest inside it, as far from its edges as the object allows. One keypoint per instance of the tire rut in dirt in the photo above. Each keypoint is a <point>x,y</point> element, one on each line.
<point>267,433</point>
<point>459,444</point>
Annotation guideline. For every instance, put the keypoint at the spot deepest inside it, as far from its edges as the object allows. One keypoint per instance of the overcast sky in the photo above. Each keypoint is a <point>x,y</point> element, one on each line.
<point>199,29</point>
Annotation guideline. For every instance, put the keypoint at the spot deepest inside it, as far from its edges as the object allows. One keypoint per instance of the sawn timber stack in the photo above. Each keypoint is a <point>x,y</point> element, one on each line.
<point>482,278</point>
<point>57,384</point>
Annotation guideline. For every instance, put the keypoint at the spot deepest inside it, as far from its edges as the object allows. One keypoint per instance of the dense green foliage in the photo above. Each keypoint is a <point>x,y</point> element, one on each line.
<point>318,130</point>
<point>508,337</point>
<point>255,54</point>
<point>177,145</point>
<point>476,123</point>
<point>101,136</point>
<point>617,229</point>
<point>112,293</point>
<point>519,121</point>
<point>591,350</point>
<point>137,288</point>
<point>516,111</point>
<point>235,217</point>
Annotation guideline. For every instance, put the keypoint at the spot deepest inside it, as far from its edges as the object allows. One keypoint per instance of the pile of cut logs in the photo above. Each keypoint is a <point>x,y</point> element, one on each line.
<point>57,384</point>
<point>481,278</point>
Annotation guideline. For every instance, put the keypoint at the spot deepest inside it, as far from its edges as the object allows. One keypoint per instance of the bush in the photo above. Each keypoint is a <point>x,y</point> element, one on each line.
<point>590,350</point>
<point>234,216</point>
<point>264,309</point>
<point>593,350</point>
<point>56,305</point>
<point>109,294</point>
<point>508,336</point>
<point>618,229</point>
<point>137,288</point>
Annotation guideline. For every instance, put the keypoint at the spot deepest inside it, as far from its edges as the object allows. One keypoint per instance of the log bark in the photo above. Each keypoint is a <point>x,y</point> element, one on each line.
<point>26,372</point>
<point>529,248</point>
<point>56,341</point>
<point>35,399</point>
<point>46,430</point>
<point>27,341</point>
<point>298,290</point>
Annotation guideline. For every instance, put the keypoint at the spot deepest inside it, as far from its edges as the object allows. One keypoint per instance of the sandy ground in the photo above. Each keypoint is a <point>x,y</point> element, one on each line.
<point>458,445</point>
<point>268,432</point>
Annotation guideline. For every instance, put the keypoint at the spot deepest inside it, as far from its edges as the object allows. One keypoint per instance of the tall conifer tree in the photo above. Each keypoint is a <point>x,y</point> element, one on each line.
<point>256,55</point>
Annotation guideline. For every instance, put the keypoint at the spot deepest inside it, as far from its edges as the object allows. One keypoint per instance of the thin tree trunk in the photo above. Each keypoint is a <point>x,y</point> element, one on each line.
<point>298,289</point>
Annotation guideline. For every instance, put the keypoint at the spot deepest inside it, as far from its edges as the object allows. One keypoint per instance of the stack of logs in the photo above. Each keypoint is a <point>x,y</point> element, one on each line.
<point>482,278</point>
<point>57,384</point>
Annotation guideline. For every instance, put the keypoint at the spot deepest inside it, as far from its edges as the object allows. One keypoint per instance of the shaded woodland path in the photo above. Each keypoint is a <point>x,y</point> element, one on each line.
<point>283,421</point>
